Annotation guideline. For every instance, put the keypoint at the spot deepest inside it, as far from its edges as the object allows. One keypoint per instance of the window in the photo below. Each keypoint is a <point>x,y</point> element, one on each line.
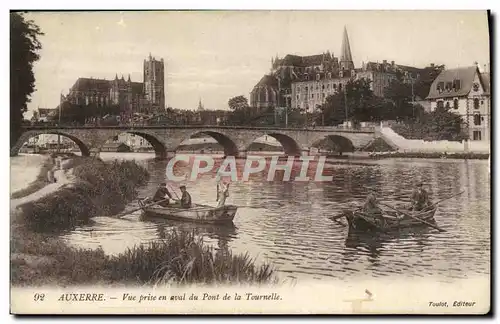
<point>340,86</point>
<point>298,88</point>
<point>477,120</point>
<point>307,89</point>
<point>456,84</point>
<point>440,86</point>
<point>328,86</point>
<point>323,87</point>
<point>455,104</point>
<point>447,104</point>
<point>476,103</point>
<point>323,95</point>
<point>317,87</point>
<point>317,77</point>
<point>476,135</point>
<point>440,104</point>
<point>448,86</point>
<point>329,75</point>
<point>334,86</point>
<point>298,97</point>
<point>312,95</point>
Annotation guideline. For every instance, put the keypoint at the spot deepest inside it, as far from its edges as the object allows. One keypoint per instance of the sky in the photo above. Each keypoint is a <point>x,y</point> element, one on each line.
<point>216,55</point>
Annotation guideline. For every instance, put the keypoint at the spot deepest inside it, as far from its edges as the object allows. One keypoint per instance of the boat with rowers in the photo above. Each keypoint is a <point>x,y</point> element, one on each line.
<point>390,220</point>
<point>197,213</point>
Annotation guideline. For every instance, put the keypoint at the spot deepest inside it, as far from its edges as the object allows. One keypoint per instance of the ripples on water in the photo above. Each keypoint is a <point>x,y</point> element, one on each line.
<point>285,222</point>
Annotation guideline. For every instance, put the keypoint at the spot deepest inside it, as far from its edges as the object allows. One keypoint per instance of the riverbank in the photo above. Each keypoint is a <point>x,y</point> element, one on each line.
<point>430,155</point>
<point>96,188</point>
<point>40,257</point>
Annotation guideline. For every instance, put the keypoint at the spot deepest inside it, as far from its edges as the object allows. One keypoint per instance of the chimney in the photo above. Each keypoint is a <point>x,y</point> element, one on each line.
<point>392,63</point>
<point>385,62</point>
<point>432,64</point>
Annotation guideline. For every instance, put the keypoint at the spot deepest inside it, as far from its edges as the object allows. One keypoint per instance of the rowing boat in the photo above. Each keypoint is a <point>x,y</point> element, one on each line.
<point>198,213</point>
<point>390,220</point>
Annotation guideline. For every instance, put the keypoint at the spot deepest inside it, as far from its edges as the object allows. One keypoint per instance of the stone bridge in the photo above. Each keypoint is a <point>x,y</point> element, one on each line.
<point>235,140</point>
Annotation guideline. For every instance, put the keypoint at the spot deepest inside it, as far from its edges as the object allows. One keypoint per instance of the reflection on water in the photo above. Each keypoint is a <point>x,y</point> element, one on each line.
<point>286,223</point>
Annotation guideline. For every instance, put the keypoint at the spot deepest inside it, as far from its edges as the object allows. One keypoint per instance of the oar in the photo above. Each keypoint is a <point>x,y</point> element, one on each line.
<point>420,220</point>
<point>440,201</point>
<point>136,209</point>
<point>336,217</point>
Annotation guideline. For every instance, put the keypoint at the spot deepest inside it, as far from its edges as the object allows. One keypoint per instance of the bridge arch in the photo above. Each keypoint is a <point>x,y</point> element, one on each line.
<point>25,137</point>
<point>158,146</point>
<point>229,145</point>
<point>290,145</point>
<point>342,143</point>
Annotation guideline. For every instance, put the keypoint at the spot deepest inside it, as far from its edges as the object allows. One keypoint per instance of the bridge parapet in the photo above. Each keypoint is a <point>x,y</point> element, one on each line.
<point>194,127</point>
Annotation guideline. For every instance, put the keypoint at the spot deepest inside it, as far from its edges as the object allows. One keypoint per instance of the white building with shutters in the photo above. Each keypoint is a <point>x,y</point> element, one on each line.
<point>466,91</point>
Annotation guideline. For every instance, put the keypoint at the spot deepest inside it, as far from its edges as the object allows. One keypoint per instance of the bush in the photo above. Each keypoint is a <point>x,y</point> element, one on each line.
<point>183,258</point>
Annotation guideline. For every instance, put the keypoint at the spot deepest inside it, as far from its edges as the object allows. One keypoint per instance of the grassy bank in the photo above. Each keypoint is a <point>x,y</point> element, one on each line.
<point>40,181</point>
<point>181,258</point>
<point>99,189</point>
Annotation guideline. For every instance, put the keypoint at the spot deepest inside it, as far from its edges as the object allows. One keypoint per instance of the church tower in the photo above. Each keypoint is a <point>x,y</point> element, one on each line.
<point>346,63</point>
<point>154,82</point>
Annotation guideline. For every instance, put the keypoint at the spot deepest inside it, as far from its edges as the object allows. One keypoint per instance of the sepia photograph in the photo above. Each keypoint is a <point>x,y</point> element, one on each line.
<point>250,162</point>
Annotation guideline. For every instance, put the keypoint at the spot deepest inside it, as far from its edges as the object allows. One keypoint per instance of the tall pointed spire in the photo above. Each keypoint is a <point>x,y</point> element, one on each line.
<point>345,53</point>
<point>128,80</point>
<point>200,105</point>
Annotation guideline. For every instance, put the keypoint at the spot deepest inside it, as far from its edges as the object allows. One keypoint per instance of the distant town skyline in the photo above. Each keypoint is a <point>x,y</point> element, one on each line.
<point>216,55</point>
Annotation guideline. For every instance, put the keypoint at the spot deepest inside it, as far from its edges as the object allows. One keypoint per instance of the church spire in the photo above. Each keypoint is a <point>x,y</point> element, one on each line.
<point>345,53</point>
<point>128,80</point>
<point>200,105</point>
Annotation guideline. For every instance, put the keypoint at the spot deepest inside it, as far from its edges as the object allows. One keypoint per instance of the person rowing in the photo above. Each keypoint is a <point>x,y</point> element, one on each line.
<point>371,207</point>
<point>419,198</point>
<point>162,195</point>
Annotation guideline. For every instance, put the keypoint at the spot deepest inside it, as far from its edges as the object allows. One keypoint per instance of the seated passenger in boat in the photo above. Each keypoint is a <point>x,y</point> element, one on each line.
<point>162,193</point>
<point>370,207</point>
<point>186,198</point>
<point>419,198</point>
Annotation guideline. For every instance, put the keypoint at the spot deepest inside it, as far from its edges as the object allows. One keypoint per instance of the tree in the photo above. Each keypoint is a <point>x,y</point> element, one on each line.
<point>356,102</point>
<point>400,95</point>
<point>427,77</point>
<point>440,124</point>
<point>24,47</point>
<point>238,102</point>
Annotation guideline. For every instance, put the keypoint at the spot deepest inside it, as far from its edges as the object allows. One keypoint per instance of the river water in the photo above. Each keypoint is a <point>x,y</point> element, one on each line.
<point>285,223</point>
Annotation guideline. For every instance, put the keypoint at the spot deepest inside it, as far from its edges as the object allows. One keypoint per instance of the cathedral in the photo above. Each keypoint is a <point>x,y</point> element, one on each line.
<point>302,81</point>
<point>131,97</point>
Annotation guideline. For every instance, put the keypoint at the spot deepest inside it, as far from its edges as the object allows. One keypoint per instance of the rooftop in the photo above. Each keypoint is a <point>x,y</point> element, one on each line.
<point>465,75</point>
